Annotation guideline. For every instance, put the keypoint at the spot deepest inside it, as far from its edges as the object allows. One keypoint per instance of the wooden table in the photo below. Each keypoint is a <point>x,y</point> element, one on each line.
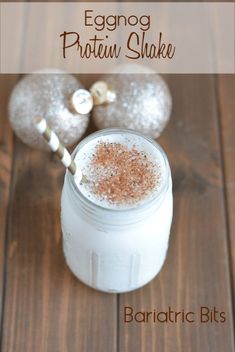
<point>45,308</point>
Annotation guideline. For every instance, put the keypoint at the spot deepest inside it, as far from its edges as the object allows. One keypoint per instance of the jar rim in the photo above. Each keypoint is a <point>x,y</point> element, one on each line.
<point>163,187</point>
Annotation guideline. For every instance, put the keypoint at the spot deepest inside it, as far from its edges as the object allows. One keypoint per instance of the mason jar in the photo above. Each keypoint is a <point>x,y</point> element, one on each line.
<point>116,250</point>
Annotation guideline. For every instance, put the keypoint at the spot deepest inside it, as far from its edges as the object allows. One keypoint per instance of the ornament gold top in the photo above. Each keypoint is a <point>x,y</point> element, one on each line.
<point>82,101</point>
<point>102,93</point>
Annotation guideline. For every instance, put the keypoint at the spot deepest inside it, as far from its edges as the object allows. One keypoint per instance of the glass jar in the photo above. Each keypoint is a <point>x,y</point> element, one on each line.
<point>116,250</point>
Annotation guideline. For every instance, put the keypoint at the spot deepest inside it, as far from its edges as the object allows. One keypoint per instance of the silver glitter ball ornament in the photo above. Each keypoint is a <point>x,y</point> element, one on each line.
<point>48,96</point>
<point>143,102</point>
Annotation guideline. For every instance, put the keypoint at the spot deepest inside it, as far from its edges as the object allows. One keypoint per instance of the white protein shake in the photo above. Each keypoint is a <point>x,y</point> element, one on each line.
<point>116,225</point>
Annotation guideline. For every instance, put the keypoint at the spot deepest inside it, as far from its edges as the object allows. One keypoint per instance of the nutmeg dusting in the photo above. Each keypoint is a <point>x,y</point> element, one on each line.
<point>122,174</point>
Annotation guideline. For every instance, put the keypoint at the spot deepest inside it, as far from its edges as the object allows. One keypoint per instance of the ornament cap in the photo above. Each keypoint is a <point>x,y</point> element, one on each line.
<point>82,101</point>
<point>102,93</point>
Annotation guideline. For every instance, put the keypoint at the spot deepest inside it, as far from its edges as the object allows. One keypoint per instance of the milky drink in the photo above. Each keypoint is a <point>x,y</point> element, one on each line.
<point>116,225</point>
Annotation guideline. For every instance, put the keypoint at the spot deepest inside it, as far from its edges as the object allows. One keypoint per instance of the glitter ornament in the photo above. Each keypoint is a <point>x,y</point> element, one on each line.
<point>142,101</point>
<point>48,96</point>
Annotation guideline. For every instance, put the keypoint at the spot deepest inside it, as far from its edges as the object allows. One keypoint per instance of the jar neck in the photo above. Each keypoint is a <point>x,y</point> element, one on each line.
<point>119,217</point>
<point>115,218</point>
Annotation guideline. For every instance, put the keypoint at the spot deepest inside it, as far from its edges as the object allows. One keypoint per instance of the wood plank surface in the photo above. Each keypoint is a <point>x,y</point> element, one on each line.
<point>196,272</point>
<point>6,156</point>
<point>46,308</point>
<point>226,102</point>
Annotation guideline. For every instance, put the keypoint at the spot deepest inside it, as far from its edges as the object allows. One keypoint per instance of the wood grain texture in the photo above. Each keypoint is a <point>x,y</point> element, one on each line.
<point>226,102</point>
<point>196,272</point>
<point>46,307</point>
<point>6,156</point>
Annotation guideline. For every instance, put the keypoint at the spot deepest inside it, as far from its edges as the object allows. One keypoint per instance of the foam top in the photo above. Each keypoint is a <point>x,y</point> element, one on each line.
<point>124,170</point>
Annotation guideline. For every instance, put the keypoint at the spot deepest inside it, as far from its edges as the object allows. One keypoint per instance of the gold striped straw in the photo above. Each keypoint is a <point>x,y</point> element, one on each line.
<point>57,147</point>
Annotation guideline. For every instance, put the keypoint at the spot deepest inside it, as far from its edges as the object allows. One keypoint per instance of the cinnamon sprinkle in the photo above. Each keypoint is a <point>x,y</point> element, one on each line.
<point>122,175</point>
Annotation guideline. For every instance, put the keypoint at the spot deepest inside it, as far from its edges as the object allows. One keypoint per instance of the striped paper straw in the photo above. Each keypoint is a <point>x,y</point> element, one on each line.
<point>57,147</point>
